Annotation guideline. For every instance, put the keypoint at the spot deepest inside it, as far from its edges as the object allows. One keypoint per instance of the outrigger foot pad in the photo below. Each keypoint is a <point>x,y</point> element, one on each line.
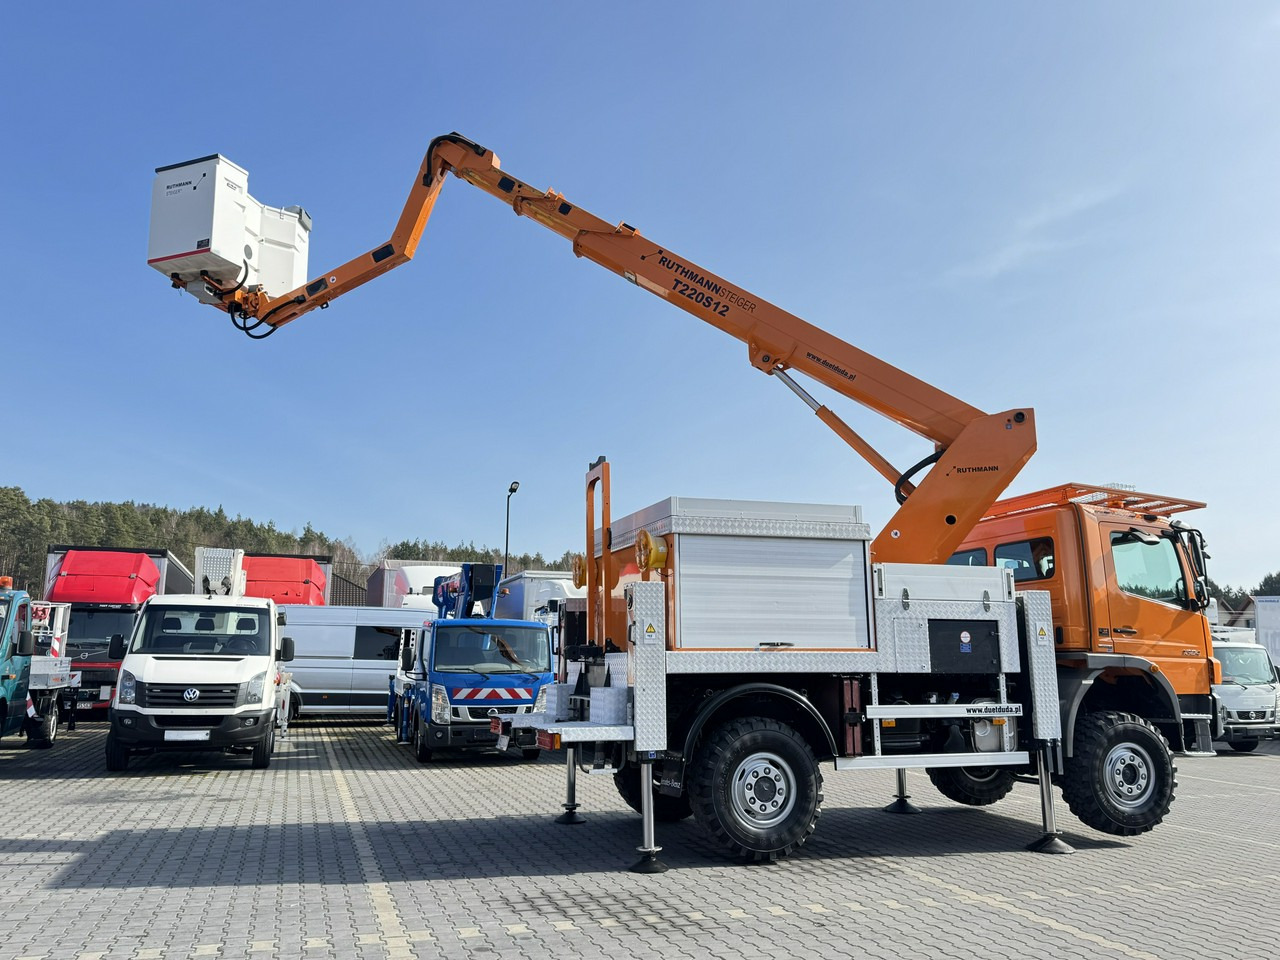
<point>1051,843</point>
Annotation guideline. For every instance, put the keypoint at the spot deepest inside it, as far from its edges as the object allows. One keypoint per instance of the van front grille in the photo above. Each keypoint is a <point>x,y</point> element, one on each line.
<point>180,695</point>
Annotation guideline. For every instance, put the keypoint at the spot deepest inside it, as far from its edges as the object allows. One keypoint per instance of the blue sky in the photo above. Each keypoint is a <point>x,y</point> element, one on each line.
<point>1071,207</point>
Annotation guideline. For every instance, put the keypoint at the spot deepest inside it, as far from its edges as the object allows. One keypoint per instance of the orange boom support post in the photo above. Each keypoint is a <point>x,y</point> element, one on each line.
<point>976,454</point>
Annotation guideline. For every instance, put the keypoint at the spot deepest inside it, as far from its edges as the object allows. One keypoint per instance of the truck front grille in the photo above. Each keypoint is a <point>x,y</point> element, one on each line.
<point>175,695</point>
<point>1257,716</point>
<point>98,678</point>
<point>482,713</point>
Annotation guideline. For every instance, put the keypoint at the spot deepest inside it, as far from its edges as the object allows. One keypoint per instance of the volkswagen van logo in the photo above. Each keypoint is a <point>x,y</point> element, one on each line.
<point>191,694</point>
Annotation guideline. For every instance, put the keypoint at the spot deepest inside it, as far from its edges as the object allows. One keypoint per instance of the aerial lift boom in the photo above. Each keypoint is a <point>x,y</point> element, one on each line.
<point>976,454</point>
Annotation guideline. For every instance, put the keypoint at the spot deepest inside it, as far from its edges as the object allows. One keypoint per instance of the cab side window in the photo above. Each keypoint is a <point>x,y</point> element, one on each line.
<point>1028,559</point>
<point>1147,566</point>
<point>968,558</point>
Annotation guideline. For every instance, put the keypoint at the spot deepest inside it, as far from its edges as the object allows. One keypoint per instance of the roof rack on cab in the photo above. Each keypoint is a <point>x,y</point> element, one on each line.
<point>1094,496</point>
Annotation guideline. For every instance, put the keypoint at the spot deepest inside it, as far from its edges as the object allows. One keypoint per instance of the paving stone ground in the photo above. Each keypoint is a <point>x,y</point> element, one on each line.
<point>348,848</point>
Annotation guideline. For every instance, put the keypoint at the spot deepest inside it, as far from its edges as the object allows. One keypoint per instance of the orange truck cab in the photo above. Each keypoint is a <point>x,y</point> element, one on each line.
<point>1127,587</point>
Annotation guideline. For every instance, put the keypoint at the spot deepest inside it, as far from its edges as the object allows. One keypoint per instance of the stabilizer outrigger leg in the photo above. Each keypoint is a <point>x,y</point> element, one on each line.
<point>571,814</point>
<point>649,850</point>
<point>1052,841</point>
<point>902,802</point>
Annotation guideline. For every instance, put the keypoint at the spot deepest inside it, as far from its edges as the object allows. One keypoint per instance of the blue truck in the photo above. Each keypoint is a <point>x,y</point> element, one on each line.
<point>464,668</point>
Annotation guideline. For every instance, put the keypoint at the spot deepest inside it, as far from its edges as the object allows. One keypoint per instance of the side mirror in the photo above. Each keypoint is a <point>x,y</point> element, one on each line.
<point>115,650</point>
<point>26,643</point>
<point>286,649</point>
<point>406,658</point>
<point>280,618</point>
<point>1202,599</point>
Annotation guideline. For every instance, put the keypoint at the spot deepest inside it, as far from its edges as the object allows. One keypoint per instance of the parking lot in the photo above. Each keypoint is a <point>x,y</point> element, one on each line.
<point>347,847</point>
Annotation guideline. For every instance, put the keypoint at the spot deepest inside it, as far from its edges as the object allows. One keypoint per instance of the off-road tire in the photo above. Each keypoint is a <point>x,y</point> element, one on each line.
<point>1244,746</point>
<point>756,789</point>
<point>972,786</point>
<point>1122,777</point>
<point>117,755</point>
<point>263,749</point>
<point>531,753</point>
<point>666,809</point>
<point>421,749</point>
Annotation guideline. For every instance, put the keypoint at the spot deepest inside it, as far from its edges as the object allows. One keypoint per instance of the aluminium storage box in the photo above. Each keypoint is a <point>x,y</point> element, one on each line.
<point>753,575</point>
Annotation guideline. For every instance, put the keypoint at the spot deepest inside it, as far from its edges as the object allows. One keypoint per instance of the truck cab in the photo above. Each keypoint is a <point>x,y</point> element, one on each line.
<point>1249,694</point>
<point>16,647</point>
<point>1127,588</point>
<point>457,674</point>
<point>198,673</point>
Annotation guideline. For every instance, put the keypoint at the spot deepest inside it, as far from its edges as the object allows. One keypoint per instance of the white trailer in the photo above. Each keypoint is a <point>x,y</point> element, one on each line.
<point>527,595</point>
<point>1267,624</point>
<point>406,583</point>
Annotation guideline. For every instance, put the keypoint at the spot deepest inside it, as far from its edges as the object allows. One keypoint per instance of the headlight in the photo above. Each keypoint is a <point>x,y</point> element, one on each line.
<point>540,705</point>
<point>439,704</point>
<point>127,688</point>
<point>256,686</point>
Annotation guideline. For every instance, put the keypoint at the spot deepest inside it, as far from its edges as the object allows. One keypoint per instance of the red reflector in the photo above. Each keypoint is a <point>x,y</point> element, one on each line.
<point>495,724</point>
<point>548,740</point>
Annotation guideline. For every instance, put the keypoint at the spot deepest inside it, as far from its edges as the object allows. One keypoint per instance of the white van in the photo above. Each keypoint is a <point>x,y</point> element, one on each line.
<point>344,656</point>
<point>198,673</point>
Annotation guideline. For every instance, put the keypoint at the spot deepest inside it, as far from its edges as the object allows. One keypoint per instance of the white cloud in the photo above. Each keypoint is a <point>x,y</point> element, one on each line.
<point>1036,235</point>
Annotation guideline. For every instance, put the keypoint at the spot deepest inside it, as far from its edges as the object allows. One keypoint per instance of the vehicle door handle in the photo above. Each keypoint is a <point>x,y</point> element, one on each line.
<point>1125,631</point>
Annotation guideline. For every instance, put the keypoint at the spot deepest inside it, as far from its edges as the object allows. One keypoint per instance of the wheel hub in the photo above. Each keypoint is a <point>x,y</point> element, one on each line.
<point>763,790</point>
<point>1127,777</point>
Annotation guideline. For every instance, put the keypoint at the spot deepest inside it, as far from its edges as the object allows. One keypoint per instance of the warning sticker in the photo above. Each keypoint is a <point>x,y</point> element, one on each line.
<point>966,642</point>
<point>650,633</point>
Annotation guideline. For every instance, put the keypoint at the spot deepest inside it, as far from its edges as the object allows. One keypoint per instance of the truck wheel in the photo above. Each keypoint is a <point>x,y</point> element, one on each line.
<point>117,754</point>
<point>263,749</point>
<point>973,786</point>
<point>756,789</point>
<point>47,729</point>
<point>295,706</point>
<point>421,749</point>
<point>1121,778</point>
<point>1244,746</point>
<point>666,809</point>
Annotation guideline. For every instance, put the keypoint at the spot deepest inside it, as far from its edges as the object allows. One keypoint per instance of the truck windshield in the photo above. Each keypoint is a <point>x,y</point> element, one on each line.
<point>490,648</point>
<point>90,631</point>
<point>203,631</point>
<point>1244,665</point>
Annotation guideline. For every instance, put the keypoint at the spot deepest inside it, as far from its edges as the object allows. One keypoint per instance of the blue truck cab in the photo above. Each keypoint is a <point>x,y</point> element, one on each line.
<point>457,674</point>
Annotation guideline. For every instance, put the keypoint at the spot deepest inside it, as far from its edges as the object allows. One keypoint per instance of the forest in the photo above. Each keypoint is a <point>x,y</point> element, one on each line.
<point>28,527</point>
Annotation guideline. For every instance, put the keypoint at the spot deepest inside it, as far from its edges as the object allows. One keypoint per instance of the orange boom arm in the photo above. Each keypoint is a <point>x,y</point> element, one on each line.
<point>976,455</point>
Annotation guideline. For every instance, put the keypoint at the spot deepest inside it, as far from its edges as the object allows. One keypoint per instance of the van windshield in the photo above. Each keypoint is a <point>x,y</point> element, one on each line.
<point>1244,664</point>
<point>203,631</point>
<point>490,648</point>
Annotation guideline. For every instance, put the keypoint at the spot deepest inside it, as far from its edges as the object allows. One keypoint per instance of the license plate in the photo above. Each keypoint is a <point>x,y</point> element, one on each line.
<point>503,742</point>
<point>186,734</point>
<point>85,705</point>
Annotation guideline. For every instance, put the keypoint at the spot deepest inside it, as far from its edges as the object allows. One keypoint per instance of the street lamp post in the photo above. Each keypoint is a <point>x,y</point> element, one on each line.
<point>506,540</point>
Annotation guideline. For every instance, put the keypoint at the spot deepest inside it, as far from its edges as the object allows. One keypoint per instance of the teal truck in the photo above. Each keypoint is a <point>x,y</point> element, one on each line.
<point>33,670</point>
